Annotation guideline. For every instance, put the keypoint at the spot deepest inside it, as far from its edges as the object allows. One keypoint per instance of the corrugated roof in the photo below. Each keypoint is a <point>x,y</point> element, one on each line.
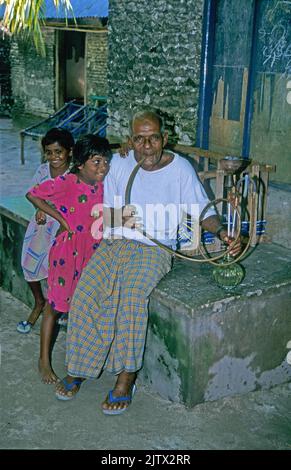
<point>82,9</point>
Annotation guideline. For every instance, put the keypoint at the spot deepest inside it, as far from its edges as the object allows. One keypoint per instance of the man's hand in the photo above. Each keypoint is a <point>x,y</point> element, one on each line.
<point>237,248</point>
<point>129,218</point>
<point>124,149</point>
<point>40,217</point>
<point>213,224</point>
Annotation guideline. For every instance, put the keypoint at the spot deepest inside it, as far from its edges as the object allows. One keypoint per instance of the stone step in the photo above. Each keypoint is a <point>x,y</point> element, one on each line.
<point>204,343</point>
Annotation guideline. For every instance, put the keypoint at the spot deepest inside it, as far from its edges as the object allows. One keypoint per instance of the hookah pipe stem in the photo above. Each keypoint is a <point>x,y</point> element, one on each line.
<point>166,248</point>
<point>246,186</point>
<point>235,204</point>
<point>228,219</point>
<point>130,181</point>
<point>233,223</point>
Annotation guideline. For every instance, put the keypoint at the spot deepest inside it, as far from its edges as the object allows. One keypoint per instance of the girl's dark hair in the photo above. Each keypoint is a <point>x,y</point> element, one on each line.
<point>62,136</point>
<point>88,146</point>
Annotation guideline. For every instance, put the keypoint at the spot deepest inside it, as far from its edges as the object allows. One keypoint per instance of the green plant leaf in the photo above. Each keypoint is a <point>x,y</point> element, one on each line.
<point>28,16</point>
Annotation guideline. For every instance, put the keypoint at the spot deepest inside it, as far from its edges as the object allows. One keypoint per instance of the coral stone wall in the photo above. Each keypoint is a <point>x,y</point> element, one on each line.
<point>154,59</point>
<point>5,76</point>
<point>33,76</point>
<point>96,64</point>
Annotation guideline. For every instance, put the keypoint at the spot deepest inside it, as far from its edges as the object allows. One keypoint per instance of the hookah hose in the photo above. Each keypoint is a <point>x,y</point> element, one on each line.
<point>205,258</point>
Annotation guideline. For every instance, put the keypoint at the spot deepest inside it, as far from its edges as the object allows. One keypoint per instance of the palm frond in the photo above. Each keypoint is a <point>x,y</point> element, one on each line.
<point>28,16</point>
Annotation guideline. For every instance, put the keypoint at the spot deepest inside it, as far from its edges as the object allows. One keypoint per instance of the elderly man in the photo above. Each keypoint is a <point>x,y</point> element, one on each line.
<point>108,317</point>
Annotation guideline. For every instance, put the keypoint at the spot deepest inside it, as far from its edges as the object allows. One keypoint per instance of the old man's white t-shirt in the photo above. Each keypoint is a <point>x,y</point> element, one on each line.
<point>161,197</point>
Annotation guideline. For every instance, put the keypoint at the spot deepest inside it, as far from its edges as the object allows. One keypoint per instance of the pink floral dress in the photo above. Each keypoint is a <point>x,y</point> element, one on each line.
<point>81,205</point>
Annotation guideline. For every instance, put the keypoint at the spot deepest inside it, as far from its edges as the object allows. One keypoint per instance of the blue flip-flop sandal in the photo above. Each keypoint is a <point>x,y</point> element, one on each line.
<point>111,399</point>
<point>24,327</point>
<point>68,387</point>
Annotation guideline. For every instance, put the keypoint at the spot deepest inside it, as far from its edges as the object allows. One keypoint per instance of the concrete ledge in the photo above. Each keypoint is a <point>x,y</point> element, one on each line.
<point>204,344</point>
<point>15,213</point>
<point>16,208</point>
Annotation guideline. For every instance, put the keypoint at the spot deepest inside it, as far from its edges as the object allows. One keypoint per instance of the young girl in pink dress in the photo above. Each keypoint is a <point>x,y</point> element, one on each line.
<point>75,201</point>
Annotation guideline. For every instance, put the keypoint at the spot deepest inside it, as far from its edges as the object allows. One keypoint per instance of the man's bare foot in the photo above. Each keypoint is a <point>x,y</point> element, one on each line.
<point>47,374</point>
<point>68,387</point>
<point>124,389</point>
<point>36,311</point>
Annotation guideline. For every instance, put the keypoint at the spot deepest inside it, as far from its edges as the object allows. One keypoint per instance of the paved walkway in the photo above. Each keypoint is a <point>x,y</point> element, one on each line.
<point>15,178</point>
<point>32,418</point>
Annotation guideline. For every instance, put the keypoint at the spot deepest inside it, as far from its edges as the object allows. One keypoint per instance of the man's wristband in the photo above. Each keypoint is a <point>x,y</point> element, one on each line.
<point>219,230</point>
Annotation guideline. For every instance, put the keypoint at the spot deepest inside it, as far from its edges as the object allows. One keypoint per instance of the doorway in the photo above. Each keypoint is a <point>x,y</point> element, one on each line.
<point>71,67</point>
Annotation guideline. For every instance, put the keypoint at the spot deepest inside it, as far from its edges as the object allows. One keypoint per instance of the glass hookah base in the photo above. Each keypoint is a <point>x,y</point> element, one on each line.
<point>228,277</point>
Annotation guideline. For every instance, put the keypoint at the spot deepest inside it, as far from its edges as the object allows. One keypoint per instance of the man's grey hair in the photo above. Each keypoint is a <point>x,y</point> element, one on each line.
<point>146,114</point>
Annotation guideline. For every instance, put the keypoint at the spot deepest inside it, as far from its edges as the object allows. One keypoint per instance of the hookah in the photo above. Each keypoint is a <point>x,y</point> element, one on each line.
<point>227,272</point>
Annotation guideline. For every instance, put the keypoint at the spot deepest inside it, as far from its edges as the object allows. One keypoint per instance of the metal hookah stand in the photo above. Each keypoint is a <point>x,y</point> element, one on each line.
<point>228,273</point>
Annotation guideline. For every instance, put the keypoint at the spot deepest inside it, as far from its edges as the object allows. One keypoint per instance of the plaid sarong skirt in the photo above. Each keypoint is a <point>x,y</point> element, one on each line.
<point>109,311</point>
